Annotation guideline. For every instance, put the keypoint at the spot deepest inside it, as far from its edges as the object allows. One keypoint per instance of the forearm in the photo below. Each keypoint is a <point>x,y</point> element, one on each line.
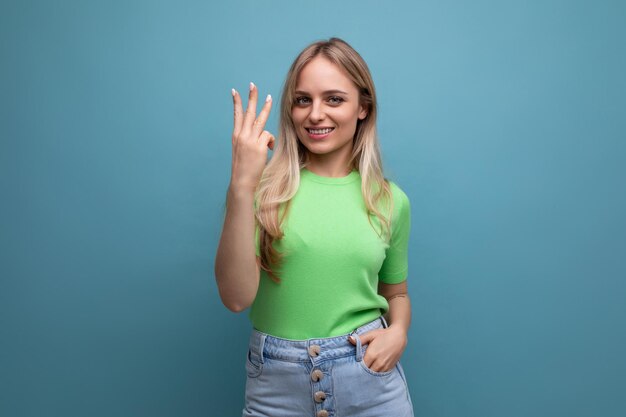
<point>399,314</point>
<point>236,269</point>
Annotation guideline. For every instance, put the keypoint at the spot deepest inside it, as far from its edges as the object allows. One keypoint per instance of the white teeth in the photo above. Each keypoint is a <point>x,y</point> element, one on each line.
<point>320,131</point>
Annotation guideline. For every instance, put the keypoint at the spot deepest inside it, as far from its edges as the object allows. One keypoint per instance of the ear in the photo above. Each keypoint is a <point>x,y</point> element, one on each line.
<point>362,112</point>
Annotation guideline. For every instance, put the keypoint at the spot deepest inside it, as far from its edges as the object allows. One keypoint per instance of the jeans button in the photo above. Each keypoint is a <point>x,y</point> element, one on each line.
<point>314,350</point>
<point>316,375</point>
<point>319,396</point>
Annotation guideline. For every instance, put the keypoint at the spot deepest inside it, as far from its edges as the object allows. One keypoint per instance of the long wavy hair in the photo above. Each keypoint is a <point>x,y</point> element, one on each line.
<point>281,176</point>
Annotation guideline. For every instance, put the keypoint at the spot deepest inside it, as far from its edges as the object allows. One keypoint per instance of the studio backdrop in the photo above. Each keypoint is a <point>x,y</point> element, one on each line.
<point>503,121</point>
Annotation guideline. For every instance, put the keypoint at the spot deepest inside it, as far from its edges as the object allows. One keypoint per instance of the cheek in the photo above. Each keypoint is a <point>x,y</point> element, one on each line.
<point>348,116</point>
<point>296,117</point>
<point>346,120</point>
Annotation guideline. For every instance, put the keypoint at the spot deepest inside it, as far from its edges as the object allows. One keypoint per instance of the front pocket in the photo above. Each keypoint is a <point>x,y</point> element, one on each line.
<point>372,372</point>
<point>253,365</point>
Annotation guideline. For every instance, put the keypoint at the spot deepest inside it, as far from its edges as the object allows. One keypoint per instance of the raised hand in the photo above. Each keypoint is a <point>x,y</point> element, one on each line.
<point>250,141</point>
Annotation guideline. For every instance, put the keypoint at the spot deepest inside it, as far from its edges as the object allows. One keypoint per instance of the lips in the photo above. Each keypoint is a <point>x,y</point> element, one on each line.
<point>320,131</point>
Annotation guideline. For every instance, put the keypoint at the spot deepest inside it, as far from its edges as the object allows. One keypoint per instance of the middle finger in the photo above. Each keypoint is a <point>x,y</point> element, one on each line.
<point>251,109</point>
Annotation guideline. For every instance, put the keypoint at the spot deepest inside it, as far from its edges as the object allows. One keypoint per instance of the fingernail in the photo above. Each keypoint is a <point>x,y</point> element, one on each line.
<point>232,90</point>
<point>268,98</point>
<point>351,338</point>
<point>251,85</point>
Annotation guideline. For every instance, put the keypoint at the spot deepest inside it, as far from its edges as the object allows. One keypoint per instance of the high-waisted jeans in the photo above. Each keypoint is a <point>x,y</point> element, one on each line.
<point>321,378</point>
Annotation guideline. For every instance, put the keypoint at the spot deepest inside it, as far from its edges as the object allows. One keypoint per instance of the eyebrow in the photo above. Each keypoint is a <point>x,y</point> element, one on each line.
<point>325,92</point>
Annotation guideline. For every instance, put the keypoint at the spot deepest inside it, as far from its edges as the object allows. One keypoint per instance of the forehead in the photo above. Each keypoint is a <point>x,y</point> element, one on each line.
<point>320,74</point>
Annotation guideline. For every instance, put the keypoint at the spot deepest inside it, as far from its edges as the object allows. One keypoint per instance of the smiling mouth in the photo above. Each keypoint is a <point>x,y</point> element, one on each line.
<point>320,131</point>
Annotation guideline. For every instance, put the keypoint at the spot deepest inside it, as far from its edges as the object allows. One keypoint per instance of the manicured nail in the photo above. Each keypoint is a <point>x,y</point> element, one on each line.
<point>251,85</point>
<point>232,90</point>
<point>268,98</point>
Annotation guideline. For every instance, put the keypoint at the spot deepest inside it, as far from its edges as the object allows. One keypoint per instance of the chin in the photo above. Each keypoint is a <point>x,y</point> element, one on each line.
<point>317,148</point>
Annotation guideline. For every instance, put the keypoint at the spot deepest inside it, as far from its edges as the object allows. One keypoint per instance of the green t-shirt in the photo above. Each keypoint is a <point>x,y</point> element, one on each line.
<point>333,259</point>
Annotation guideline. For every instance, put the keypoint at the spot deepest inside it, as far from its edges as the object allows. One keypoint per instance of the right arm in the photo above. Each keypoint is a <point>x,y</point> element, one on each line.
<point>236,269</point>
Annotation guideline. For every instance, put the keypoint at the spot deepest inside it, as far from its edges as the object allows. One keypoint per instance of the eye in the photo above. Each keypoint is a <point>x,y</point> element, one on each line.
<point>302,100</point>
<point>335,100</point>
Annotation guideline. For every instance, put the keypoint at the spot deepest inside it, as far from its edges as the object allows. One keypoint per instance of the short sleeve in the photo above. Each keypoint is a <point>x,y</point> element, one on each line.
<point>395,267</point>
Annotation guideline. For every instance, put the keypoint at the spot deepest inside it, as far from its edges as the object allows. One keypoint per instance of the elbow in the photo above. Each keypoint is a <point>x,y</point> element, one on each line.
<point>235,297</point>
<point>235,301</point>
<point>235,307</point>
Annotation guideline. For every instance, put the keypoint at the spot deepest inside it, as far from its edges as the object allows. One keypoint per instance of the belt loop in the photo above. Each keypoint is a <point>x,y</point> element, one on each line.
<point>359,351</point>
<point>262,347</point>
<point>382,319</point>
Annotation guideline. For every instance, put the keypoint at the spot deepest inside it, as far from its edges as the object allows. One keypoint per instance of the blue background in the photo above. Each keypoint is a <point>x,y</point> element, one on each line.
<point>503,121</point>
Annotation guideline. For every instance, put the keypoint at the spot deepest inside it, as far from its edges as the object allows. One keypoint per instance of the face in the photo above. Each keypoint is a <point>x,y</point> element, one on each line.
<point>326,109</point>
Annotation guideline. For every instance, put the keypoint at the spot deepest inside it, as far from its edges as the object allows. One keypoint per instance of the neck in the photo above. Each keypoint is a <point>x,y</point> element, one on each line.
<point>335,164</point>
<point>326,168</point>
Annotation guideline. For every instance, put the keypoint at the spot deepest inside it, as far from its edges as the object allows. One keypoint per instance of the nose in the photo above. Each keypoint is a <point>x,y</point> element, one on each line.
<point>317,112</point>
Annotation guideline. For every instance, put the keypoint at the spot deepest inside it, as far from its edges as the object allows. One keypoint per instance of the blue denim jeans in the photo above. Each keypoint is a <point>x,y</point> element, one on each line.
<point>321,378</point>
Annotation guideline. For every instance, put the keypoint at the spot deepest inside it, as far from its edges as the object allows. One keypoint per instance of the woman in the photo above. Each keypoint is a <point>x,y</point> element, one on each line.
<point>315,242</point>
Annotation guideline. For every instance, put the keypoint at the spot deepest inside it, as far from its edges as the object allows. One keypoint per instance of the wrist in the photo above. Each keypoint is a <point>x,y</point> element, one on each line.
<point>399,329</point>
<point>244,182</point>
<point>240,191</point>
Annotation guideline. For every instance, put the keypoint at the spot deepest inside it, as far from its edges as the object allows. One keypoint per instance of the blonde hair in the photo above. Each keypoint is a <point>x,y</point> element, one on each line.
<point>281,176</point>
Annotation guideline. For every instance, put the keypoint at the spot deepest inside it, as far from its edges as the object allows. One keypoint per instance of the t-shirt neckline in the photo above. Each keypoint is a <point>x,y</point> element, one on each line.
<point>351,177</point>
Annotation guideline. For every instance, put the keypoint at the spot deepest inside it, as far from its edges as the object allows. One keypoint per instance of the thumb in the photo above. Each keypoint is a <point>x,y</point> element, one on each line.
<point>267,139</point>
<point>366,338</point>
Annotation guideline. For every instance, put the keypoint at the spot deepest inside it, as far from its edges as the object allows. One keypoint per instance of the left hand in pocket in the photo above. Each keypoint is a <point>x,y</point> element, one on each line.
<point>385,347</point>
